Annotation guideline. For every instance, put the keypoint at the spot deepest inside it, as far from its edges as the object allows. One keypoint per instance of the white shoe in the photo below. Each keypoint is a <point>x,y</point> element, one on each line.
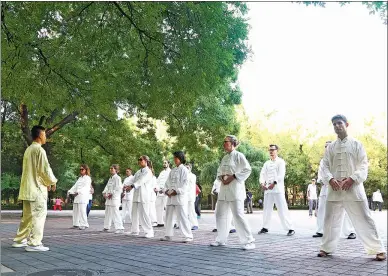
<point>38,248</point>
<point>133,233</point>
<point>166,238</point>
<point>120,231</point>
<point>149,236</point>
<point>248,246</point>
<point>188,240</point>
<point>23,243</point>
<point>216,243</point>
<point>154,224</point>
<point>82,228</point>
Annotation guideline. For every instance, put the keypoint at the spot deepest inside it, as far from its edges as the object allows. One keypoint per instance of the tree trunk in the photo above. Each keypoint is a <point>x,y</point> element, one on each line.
<point>24,124</point>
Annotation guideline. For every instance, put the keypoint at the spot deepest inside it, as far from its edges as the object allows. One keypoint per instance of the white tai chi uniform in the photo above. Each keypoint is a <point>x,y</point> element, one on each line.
<point>126,212</point>
<point>82,187</point>
<point>275,170</point>
<point>161,198</point>
<point>347,158</point>
<point>231,198</point>
<point>313,198</point>
<point>177,205</point>
<point>347,226</point>
<point>216,190</point>
<point>152,201</point>
<point>143,184</point>
<point>192,183</point>
<point>112,205</point>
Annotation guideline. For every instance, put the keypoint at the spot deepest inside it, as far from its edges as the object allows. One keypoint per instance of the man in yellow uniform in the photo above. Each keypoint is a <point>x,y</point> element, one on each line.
<point>37,180</point>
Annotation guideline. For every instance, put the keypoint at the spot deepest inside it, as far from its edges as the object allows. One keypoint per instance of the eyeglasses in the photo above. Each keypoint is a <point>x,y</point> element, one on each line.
<point>272,149</point>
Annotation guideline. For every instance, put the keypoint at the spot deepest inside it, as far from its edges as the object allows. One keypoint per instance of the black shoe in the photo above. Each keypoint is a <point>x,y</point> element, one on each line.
<point>160,225</point>
<point>318,235</point>
<point>232,231</point>
<point>214,230</point>
<point>290,232</point>
<point>263,230</point>
<point>352,236</point>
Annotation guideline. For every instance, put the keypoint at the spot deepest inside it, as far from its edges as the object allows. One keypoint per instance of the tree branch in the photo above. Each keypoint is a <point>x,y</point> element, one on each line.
<point>68,119</point>
<point>100,145</point>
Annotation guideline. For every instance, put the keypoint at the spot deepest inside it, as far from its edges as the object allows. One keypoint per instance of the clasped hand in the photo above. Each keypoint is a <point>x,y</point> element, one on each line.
<point>344,184</point>
<point>226,179</point>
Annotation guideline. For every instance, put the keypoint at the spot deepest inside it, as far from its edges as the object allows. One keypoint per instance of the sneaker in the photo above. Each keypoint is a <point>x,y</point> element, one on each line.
<point>352,236</point>
<point>263,231</point>
<point>82,228</point>
<point>214,230</point>
<point>248,246</point>
<point>186,240</point>
<point>216,243</point>
<point>232,231</point>
<point>166,238</point>
<point>194,228</point>
<point>38,248</point>
<point>318,235</point>
<point>290,232</point>
<point>23,243</point>
<point>120,231</point>
<point>149,235</point>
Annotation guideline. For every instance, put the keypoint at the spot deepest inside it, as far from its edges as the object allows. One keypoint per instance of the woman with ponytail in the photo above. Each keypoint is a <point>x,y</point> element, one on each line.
<point>143,186</point>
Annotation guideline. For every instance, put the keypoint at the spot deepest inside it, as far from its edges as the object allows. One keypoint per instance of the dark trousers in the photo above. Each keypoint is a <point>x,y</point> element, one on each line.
<point>198,206</point>
<point>380,204</point>
<point>88,207</point>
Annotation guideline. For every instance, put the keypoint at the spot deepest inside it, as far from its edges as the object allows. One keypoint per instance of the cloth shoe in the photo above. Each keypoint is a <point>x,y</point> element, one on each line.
<point>249,246</point>
<point>186,240</point>
<point>38,248</point>
<point>216,243</point>
<point>290,232</point>
<point>166,238</point>
<point>194,228</point>
<point>23,243</point>
<point>263,230</point>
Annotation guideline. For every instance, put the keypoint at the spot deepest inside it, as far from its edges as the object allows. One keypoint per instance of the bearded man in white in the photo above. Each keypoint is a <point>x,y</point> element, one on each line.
<point>112,195</point>
<point>81,191</point>
<point>234,169</point>
<point>272,182</point>
<point>345,167</point>
<point>127,197</point>
<point>161,199</point>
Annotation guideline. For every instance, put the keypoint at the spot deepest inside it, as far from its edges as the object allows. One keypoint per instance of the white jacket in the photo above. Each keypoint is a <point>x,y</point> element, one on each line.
<point>161,181</point>
<point>322,179</point>
<point>216,186</point>
<point>192,187</point>
<point>82,187</point>
<point>114,187</point>
<point>346,158</point>
<point>178,181</point>
<point>128,181</point>
<point>143,185</point>
<point>154,186</point>
<point>234,163</point>
<point>274,170</point>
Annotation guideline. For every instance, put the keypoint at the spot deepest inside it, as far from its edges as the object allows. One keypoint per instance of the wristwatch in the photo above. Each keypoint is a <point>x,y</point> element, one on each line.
<point>275,182</point>
<point>234,176</point>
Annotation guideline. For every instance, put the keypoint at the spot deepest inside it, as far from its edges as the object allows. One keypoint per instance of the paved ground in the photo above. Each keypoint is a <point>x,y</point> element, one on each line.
<point>91,252</point>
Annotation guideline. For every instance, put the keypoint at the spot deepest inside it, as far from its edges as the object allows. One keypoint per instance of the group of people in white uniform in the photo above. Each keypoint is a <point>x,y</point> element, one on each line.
<point>343,205</point>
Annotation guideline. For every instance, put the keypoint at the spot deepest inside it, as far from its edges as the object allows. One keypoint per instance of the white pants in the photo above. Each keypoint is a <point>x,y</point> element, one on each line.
<point>180,211</point>
<point>126,212</point>
<point>223,221</point>
<point>192,215</point>
<point>112,213</point>
<point>140,215</point>
<point>160,205</point>
<point>152,211</point>
<point>79,215</point>
<point>362,220</point>
<point>281,205</point>
<point>347,226</point>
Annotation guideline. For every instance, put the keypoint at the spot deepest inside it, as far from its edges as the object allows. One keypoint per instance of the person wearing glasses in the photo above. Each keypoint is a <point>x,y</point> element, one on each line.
<point>272,182</point>
<point>37,180</point>
<point>142,185</point>
<point>161,199</point>
<point>233,171</point>
<point>177,190</point>
<point>81,191</point>
<point>112,195</point>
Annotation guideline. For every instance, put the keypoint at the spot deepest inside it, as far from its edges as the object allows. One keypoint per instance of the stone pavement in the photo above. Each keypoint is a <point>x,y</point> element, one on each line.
<point>91,252</point>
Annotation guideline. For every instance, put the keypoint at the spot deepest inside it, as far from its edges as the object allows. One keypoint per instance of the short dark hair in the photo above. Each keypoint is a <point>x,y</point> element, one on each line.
<point>233,140</point>
<point>339,117</point>
<point>36,130</point>
<point>180,155</point>
<point>128,169</point>
<point>274,145</point>
<point>116,167</point>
